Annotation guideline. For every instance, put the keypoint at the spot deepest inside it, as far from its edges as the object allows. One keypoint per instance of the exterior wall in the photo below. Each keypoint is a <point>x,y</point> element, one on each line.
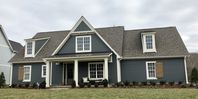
<point>39,44</point>
<point>5,56</point>
<point>97,45</point>
<point>135,70</point>
<point>57,74</point>
<point>82,27</point>
<point>35,73</point>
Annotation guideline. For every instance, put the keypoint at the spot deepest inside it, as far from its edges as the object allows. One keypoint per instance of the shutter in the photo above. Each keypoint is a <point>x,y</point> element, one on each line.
<point>159,70</point>
<point>20,73</point>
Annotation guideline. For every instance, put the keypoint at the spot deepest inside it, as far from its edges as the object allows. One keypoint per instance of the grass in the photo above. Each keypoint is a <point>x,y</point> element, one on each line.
<point>100,93</point>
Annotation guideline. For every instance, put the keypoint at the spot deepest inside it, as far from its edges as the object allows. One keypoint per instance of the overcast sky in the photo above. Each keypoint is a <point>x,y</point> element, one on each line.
<point>22,19</point>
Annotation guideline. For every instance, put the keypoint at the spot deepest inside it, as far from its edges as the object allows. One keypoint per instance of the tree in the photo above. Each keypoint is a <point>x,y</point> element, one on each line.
<point>194,75</point>
<point>2,80</point>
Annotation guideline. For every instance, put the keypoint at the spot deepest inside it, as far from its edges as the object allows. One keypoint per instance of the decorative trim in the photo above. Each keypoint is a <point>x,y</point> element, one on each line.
<point>37,39</point>
<point>153,57</point>
<point>27,62</point>
<point>28,80</point>
<point>147,73</point>
<point>118,71</point>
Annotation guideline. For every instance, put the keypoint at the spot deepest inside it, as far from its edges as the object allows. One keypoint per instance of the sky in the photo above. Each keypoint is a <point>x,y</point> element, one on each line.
<point>22,19</point>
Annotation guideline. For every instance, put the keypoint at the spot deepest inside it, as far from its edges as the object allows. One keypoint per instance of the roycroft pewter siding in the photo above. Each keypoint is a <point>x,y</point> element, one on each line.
<point>35,73</point>
<point>39,44</point>
<point>97,45</point>
<point>135,70</point>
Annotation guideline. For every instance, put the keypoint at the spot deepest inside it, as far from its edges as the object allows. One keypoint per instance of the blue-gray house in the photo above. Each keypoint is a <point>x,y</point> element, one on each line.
<point>112,53</point>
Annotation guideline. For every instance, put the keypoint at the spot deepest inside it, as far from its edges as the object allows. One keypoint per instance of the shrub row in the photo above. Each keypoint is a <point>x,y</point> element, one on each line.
<point>96,84</point>
<point>36,85</point>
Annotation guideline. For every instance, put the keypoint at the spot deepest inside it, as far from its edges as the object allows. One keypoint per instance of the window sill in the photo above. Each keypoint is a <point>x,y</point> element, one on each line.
<point>26,80</point>
<point>153,78</point>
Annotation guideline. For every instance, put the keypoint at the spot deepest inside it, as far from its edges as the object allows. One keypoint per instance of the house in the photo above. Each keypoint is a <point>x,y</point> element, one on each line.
<point>8,48</point>
<point>192,62</point>
<point>111,53</point>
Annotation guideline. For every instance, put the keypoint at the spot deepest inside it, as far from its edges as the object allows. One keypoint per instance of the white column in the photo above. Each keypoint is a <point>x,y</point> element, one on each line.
<point>106,68</point>
<point>51,74</point>
<point>47,78</point>
<point>118,71</point>
<point>76,71</point>
<point>11,70</point>
<point>186,73</point>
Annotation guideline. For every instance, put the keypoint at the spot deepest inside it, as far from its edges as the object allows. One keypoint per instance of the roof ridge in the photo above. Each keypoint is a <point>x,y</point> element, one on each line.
<point>152,28</point>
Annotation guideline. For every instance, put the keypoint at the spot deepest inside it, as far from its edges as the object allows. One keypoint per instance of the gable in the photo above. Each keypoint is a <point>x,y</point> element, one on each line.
<point>39,44</point>
<point>97,45</point>
<point>3,40</point>
<point>82,27</point>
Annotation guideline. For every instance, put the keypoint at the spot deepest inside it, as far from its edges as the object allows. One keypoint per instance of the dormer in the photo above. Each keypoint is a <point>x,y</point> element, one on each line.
<point>29,48</point>
<point>148,42</point>
<point>33,46</point>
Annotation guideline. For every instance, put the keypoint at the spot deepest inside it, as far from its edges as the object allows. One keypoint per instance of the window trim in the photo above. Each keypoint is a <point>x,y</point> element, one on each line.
<point>77,51</point>
<point>96,70</point>
<point>28,80</point>
<point>43,76</point>
<point>33,49</point>
<point>147,72</point>
<point>144,42</point>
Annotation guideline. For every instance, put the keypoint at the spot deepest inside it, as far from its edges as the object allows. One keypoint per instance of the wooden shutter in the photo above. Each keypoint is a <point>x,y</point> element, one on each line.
<point>20,73</point>
<point>159,70</point>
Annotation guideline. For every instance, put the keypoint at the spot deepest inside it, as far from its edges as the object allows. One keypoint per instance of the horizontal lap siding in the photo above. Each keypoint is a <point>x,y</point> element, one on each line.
<point>57,74</point>
<point>135,70</point>
<point>35,73</point>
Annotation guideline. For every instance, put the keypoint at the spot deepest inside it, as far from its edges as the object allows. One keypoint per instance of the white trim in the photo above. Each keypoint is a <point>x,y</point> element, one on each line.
<point>186,73</point>
<point>91,27</point>
<point>96,70</point>
<point>33,49</point>
<point>11,72</point>
<point>42,75</point>
<point>144,46</point>
<point>37,39</point>
<point>152,57</point>
<point>42,47</point>
<point>27,62</point>
<point>147,73</point>
<point>51,73</point>
<point>47,78</point>
<point>76,71</point>
<point>118,71</point>
<point>106,76</point>
<point>63,68</point>
<point>76,45</point>
<point>30,67</point>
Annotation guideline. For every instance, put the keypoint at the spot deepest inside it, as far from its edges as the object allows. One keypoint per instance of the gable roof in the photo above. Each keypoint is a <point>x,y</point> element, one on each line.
<point>7,41</point>
<point>168,43</point>
<point>16,46</point>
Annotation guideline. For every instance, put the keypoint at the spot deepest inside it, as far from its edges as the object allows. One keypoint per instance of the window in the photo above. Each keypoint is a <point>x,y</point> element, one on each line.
<point>27,74</point>
<point>43,73</point>
<point>148,42</point>
<point>29,49</point>
<point>96,71</point>
<point>83,44</point>
<point>151,70</point>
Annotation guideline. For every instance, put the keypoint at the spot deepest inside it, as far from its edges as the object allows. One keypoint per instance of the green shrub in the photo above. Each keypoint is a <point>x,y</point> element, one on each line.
<point>194,75</point>
<point>2,80</point>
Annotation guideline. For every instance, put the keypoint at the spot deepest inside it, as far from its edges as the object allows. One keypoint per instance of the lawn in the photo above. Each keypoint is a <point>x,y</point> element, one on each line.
<point>100,93</point>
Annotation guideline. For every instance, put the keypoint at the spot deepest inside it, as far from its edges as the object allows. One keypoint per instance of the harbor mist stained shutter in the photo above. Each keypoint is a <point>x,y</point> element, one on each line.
<point>159,70</point>
<point>20,73</point>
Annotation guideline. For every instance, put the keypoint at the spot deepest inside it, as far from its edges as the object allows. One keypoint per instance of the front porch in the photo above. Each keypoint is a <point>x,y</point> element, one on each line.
<point>62,71</point>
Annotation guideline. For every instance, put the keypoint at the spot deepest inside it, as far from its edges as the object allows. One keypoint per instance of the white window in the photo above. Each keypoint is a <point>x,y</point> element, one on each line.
<point>29,49</point>
<point>27,73</point>
<point>148,42</point>
<point>83,44</point>
<point>43,73</point>
<point>96,71</point>
<point>151,70</point>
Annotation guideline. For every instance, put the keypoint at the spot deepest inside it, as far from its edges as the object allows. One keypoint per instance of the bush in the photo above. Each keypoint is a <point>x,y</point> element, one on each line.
<point>171,83</point>
<point>135,83</point>
<point>35,85</point>
<point>2,80</point>
<point>162,82</point>
<point>81,84</point>
<point>89,85</point>
<point>13,85</point>
<point>153,83</point>
<point>20,85</point>
<point>126,83</point>
<point>96,85</point>
<point>105,82</point>
<point>73,84</point>
<point>42,85</point>
<point>27,85</point>
<point>194,75</point>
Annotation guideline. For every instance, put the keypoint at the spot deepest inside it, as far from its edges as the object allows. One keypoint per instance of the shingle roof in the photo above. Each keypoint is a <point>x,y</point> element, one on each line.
<point>127,43</point>
<point>168,43</point>
<point>16,46</point>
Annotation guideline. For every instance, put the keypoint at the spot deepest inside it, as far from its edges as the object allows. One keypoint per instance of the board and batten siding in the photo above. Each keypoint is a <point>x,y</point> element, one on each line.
<point>5,55</point>
<point>35,73</point>
<point>135,70</point>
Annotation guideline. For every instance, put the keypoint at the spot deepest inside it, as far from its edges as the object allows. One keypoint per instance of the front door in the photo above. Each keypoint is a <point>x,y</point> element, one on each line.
<point>70,73</point>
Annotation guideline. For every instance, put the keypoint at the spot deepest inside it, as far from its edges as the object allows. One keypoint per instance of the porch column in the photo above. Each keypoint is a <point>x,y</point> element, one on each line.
<point>47,78</point>
<point>76,71</point>
<point>118,71</point>
<point>106,68</point>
